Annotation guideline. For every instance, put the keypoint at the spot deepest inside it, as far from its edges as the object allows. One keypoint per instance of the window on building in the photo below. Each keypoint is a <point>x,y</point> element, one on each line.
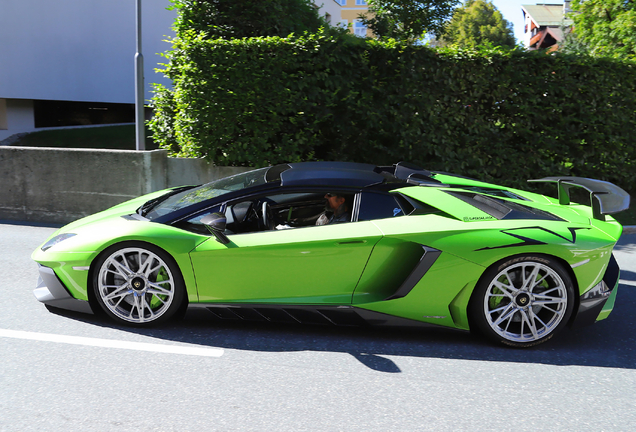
<point>359,29</point>
<point>342,2</point>
<point>361,3</point>
<point>66,113</point>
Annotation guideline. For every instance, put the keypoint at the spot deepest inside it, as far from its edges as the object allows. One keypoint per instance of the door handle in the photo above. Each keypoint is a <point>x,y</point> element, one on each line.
<point>351,242</point>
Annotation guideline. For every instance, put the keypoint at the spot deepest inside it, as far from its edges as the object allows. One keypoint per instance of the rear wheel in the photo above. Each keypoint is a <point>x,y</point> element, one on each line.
<point>523,301</point>
<point>138,284</point>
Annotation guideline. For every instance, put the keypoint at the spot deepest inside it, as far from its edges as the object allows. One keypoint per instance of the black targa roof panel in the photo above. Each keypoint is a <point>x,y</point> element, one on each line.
<point>331,174</point>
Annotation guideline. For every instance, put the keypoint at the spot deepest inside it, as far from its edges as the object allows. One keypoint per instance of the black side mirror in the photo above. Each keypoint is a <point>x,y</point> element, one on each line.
<point>215,223</point>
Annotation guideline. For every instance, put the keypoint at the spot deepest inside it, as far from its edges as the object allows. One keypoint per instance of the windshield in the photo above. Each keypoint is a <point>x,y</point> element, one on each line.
<point>205,192</point>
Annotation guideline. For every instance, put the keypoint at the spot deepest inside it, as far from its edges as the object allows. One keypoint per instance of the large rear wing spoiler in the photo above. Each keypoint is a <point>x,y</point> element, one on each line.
<point>606,197</point>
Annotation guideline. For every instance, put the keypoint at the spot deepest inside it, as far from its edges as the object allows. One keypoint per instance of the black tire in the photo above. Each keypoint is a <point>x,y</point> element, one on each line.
<point>137,284</point>
<point>522,301</point>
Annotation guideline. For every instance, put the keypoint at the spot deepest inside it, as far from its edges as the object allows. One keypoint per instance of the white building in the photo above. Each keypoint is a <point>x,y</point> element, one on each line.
<point>73,60</point>
<point>544,24</point>
<point>330,10</point>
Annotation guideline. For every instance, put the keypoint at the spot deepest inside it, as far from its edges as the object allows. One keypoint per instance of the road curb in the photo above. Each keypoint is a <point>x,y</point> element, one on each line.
<point>629,229</point>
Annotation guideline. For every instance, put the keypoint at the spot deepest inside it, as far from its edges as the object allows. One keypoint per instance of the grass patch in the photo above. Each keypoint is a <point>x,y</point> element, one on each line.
<point>107,137</point>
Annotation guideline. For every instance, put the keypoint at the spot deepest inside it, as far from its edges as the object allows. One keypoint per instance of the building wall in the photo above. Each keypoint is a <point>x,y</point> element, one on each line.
<point>351,11</point>
<point>330,10</point>
<point>529,26</point>
<point>79,50</point>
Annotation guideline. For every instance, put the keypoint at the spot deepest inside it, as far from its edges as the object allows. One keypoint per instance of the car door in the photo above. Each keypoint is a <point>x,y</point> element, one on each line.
<point>308,265</point>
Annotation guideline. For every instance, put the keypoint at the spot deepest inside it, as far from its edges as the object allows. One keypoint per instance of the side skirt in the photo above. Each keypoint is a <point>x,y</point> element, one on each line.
<point>347,316</point>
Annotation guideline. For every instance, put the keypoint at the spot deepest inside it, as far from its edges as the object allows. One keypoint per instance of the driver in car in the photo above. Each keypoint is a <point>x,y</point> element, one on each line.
<point>337,210</point>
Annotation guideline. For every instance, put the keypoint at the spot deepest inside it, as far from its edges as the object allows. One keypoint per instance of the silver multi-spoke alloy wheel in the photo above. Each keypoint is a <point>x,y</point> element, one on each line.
<point>136,285</point>
<point>524,301</point>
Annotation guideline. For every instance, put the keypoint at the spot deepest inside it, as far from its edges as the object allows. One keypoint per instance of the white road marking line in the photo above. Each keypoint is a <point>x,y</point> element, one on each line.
<point>109,343</point>
<point>627,282</point>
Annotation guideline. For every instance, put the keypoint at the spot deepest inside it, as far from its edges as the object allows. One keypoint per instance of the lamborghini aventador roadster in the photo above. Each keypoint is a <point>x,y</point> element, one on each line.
<point>414,247</point>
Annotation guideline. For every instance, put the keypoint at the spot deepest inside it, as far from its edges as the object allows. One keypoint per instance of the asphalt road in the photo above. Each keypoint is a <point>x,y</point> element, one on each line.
<point>74,372</point>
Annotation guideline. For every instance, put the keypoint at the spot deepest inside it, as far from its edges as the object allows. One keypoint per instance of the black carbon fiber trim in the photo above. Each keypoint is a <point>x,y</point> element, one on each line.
<point>341,316</point>
<point>591,303</point>
<point>289,314</point>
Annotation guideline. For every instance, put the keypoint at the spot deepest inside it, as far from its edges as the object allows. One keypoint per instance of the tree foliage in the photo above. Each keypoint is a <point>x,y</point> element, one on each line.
<point>571,43</point>
<point>607,27</point>
<point>408,20</point>
<point>246,18</point>
<point>478,22</point>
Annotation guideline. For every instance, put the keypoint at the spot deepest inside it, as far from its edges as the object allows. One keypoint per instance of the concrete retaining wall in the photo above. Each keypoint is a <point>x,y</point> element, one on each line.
<point>61,185</point>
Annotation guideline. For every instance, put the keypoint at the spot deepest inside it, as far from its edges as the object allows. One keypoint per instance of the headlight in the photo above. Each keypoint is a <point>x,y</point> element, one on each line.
<point>55,240</point>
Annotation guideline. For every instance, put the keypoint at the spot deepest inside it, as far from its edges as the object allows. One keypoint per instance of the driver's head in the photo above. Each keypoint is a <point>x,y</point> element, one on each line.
<point>334,201</point>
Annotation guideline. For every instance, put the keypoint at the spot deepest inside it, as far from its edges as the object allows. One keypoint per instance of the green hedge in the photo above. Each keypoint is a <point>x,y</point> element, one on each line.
<point>498,115</point>
<point>229,19</point>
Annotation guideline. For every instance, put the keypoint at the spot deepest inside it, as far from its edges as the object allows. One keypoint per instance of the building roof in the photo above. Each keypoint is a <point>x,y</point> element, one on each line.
<point>557,33</point>
<point>546,14</point>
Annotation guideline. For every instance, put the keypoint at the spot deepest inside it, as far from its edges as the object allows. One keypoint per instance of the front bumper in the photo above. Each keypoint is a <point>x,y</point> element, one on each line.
<point>51,291</point>
<point>597,303</point>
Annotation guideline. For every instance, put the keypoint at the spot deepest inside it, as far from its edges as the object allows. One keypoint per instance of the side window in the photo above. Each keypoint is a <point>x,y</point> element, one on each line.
<point>294,209</point>
<point>318,207</point>
<point>408,206</point>
<point>378,206</point>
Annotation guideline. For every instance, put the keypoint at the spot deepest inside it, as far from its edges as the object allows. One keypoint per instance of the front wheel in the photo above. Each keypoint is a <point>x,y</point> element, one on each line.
<point>523,301</point>
<point>138,284</point>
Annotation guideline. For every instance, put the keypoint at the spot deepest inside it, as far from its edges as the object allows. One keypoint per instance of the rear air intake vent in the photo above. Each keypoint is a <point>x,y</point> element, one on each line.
<point>501,209</point>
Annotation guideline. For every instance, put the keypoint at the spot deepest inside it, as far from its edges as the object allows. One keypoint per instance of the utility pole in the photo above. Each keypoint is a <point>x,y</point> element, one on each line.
<point>139,88</point>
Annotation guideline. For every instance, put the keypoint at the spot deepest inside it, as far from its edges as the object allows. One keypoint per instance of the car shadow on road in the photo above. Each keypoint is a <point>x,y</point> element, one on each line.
<point>608,343</point>
<point>628,275</point>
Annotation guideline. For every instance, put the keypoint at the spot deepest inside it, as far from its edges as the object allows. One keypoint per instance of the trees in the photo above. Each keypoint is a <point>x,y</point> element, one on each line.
<point>408,20</point>
<point>246,18</point>
<point>606,26</point>
<point>478,22</point>
<point>571,43</point>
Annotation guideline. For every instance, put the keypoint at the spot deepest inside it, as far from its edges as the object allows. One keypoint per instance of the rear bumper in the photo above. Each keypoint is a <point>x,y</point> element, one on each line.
<point>52,292</point>
<point>597,303</point>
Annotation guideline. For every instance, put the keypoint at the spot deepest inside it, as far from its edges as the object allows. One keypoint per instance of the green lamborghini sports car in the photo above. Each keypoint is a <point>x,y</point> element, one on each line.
<point>403,246</point>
